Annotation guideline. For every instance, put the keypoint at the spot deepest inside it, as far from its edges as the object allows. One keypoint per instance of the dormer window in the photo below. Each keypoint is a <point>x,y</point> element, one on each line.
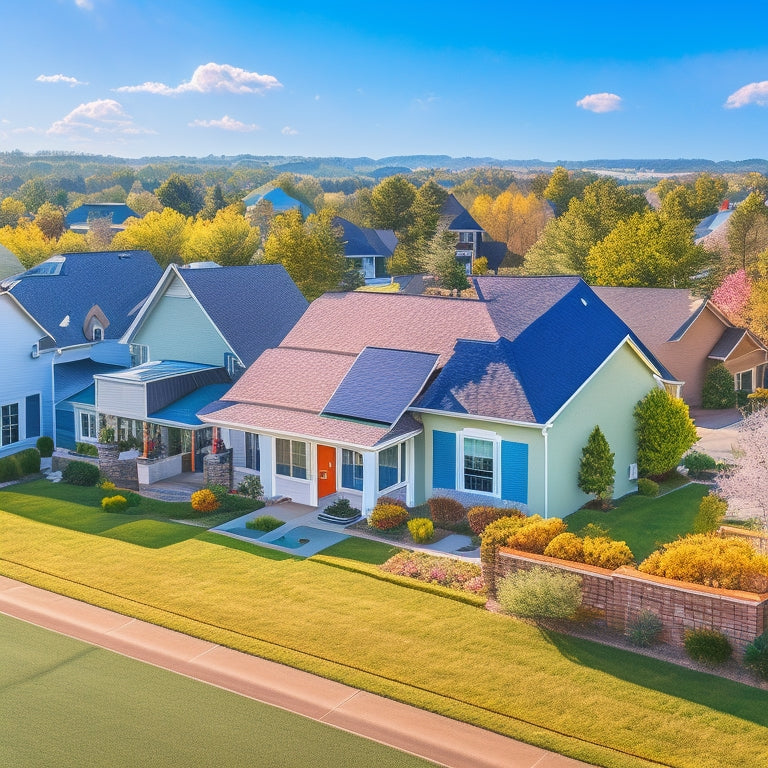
<point>95,324</point>
<point>98,333</point>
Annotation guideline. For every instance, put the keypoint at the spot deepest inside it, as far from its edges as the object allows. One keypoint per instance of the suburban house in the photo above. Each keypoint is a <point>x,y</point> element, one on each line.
<point>64,319</point>
<point>196,333</point>
<point>471,245</point>
<point>79,219</point>
<point>689,335</point>
<point>279,200</point>
<point>488,400</point>
<point>368,248</point>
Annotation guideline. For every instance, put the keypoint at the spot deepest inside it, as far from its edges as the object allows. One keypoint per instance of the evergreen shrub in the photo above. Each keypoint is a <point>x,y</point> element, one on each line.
<point>718,391</point>
<point>756,656</point>
<point>644,629</point>
<point>707,645</point>
<point>44,444</point>
<point>711,512</point>
<point>80,473</point>
<point>204,500</point>
<point>647,487</point>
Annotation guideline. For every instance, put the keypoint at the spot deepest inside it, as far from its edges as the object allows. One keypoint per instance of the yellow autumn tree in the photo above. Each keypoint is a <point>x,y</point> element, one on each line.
<point>164,234</point>
<point>228,239</point>
<point>512,218</point>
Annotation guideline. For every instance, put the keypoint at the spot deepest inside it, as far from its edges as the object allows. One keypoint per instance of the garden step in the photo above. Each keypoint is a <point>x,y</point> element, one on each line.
<point>338,520</point>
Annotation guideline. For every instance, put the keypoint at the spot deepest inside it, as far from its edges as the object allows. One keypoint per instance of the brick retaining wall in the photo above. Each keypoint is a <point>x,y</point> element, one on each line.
<point>621,594</point>
<point>757,539</point>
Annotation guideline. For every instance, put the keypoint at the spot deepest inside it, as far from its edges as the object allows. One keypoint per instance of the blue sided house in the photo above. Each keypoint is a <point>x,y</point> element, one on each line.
<point>368,249</point>
<point>79,219</point>
<point>489,400</point>
<point>279,200</point>
<point>64,319</point>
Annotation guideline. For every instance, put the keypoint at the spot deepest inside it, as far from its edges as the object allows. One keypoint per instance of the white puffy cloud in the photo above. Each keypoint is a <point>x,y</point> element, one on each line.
<point>288,131</point>
<point>226,123</point>
<point>600,102</point>
<point>209,78</point>
<point>86,5</point>
<point>753,93</point>
<point>71,81</point>
<point>101,116</point>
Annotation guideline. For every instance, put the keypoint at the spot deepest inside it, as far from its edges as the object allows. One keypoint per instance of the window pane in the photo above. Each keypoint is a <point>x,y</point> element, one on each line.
<point>283,457</point>
<point>351,470</point>
<point>388,467</point>
<point>478,465</point>
<point>299,455</point>
<point>252,451</point>
<point>403,462</point>
<point>10,424</point>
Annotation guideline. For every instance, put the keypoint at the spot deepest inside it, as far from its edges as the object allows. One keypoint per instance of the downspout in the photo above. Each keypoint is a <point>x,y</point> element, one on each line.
<point>545,435</point>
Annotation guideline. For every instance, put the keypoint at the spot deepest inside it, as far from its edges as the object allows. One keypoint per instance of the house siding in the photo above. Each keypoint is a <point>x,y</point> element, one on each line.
<point>178,329</point>
<point>607,401</point>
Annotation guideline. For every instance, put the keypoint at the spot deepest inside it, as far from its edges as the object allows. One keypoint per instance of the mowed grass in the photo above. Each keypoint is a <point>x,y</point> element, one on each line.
<point>645,523</point>
<point>599,704</point>
<point>68,704</point>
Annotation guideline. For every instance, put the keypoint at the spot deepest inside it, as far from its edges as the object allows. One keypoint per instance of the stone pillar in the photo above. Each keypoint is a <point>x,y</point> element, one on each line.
<point>122,472</point>
<point>217,469</point>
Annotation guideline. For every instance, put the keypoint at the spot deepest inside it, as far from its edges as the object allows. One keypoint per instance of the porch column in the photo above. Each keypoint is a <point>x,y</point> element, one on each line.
<point>370,482</point>
<point>267,471</point>
<point>410,473</point>
<point>145,435</point>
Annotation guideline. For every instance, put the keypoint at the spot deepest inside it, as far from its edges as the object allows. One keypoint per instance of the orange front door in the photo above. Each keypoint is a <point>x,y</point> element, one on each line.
<point>326,470</point>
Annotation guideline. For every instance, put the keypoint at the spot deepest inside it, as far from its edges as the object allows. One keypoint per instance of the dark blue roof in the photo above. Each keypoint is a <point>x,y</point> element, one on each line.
<point>464,223</point>
<point>281,200</point>
<point>452,207</point>
<point>362,241</point>
<point>381,384</point>
<point>183,411</point>
<point>727,343</point>
<point>118,212</point>
<point>555,332</point>
<point>71,378</point>
<point>492,251</point>
<point>253,307</point>
<point>116,281</point>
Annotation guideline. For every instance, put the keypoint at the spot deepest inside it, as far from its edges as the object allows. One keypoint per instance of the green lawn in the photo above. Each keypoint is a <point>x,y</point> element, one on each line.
<point>329,616</point>
<point>645,523</point>
<point>68,704</point>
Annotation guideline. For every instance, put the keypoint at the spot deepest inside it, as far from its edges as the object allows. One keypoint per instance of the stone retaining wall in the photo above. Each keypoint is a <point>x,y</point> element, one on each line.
<point>122,472</point>
<point>217,469</point>
<point>620,595</point>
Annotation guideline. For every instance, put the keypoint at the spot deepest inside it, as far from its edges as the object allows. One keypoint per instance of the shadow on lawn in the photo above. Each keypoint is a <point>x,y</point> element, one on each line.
<point>708,690</point>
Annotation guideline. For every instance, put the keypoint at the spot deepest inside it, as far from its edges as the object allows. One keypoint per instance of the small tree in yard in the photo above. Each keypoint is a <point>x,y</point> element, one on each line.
<point>718,391</point>
<point>664,433</point>
<point>745,484</point>
<point>596,473</point>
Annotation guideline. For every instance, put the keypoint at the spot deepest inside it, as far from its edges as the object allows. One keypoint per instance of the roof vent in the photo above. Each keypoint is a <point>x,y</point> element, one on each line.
<point>64,323</point>
<point>583,301</point>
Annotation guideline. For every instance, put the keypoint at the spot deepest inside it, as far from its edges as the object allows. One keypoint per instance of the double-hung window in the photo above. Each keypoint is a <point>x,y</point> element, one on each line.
<point>88,426</point>
<point>744,380</point>
<point>351,470</point>
<point>291,458</point>
<point>392,466</point>
<point>479,465</point>
<point>9,415</point>
<point>252,452</point>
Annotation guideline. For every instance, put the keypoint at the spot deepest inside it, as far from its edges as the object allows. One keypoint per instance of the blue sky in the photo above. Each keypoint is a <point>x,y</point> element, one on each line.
<point>512,80</point>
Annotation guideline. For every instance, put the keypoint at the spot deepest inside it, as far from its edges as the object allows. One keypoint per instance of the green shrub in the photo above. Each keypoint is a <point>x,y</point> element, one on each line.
<point>446,511</point>
<point>9,469</point>
<point>596,472</point>
<point>251,487</point>
<point>264,523</point>
<point>540,593</point>
<point>645,629</point>
<point>114,503</point>
<point>480,517</point>
<point>717,391</point>
<point>706,559</point>
<point>566,546</point>
<point>535,534</point>
<point>445,571</point>
<point>29,461</point>
<point>80,473</point>
<point>86,449</point>
<point>756,656</point>
<point>664,433</point>
<point>647,487</point>
<point>711,512</point>
<point>698,463</point>
<point>422,529</point>
<point>132,499</point>
<point>221,492</point>
<point>107,435</point>
<point>342,508</point>
<point>758,399</point>
<point>387,516</point>
<point>44,444</point>
<point>707,645</point>
<point>204,500</point>
<point>606,553</point>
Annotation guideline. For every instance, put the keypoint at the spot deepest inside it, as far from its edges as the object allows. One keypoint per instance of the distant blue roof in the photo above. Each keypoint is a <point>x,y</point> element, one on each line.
<point>281,201</point>
<point>183,411</point>
<point>71,378</point>
<point>381,384</point>
<point>85,396</point>
<point>118,213</point>
<point>363,241</point>
<point>253,307</point>
<point>464,223</point>
<point>60,292</point>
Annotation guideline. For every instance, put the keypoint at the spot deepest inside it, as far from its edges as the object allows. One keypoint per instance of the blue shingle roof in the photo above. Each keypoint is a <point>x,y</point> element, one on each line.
<point>381,384</point>
<point>183,411</point>
<point>281,201</point>
<point>464,223</point>
<point>117,212</point>
<point>71,378</point>
<point>362,241</point>
<point>253,307</point>
<point>115,281</point>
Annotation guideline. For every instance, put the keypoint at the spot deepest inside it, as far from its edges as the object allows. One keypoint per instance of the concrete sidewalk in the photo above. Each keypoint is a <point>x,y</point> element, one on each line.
<point>440,739</point>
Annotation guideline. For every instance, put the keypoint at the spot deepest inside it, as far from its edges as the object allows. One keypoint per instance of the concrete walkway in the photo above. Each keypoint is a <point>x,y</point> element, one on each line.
<point>440,739</point>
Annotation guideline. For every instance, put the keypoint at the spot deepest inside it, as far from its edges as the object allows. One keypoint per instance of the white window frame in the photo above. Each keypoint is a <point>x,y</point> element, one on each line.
<point>737,379</point>
<point>402,466</point>
<point>489,437</point>
<point>19,411</point>
<point>140,352</point>
<point>81,436</point>
<point>293,466</point>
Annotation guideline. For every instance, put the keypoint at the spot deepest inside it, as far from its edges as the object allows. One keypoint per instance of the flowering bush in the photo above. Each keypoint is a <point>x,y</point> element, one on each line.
<point>204,501</point>
<point>445,510</point>
<point>447,572</point>
<point>387,516</point>
<point>480,517</point>
<point>535,534</point>
<point>566,546</point>
<point>606,553</point>
<point>107,485</point>
<point>422,529</point>
<point>114,503</point>
<point>707,559</point>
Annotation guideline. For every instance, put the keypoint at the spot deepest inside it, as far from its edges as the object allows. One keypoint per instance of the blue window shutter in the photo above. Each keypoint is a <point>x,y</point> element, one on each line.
<point>33,416</point>
<point>514,471</point>
<point>443,459</point>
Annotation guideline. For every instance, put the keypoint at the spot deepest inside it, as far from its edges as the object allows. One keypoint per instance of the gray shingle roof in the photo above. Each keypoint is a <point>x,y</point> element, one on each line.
<point>727,343</point>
